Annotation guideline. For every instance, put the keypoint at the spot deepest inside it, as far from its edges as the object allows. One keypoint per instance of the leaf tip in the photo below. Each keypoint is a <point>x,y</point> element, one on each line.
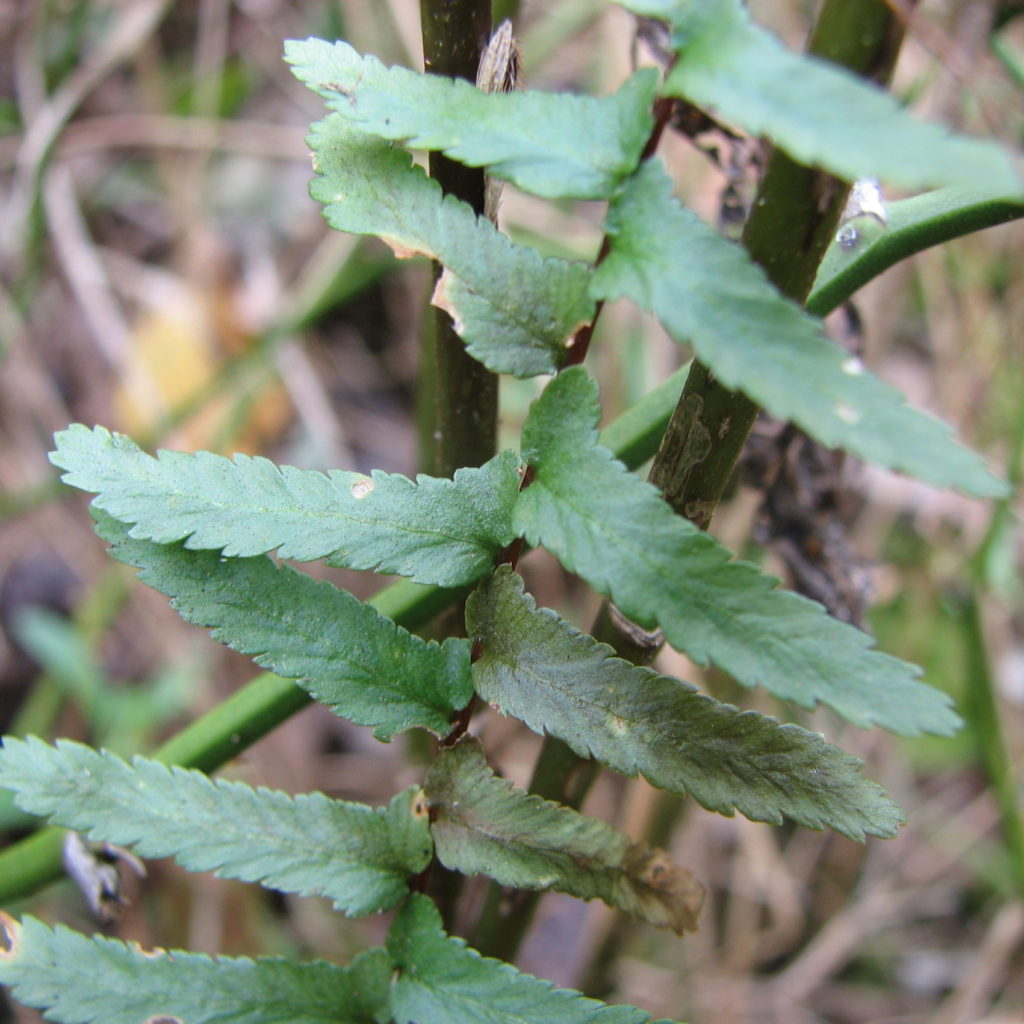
<point>71,435</point>
<point>675,887</point>
<point>990,487</point>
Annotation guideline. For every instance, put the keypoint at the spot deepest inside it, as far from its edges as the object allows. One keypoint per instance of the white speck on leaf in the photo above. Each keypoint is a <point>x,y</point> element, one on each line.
<point>847,413</point>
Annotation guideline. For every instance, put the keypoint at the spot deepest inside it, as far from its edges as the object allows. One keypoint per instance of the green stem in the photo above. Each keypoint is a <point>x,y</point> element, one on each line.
<point>1012,64</point>
<point>912,226</point>
<point>459,419</point>
<point>981,703</point>
<point>635,435</point>
<point>981,709</point>
<point>458,415</point>
<point>792,222</point>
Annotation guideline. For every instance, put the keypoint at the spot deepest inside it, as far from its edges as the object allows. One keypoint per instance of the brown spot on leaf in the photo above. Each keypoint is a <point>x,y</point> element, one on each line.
<point>420,808</point>
<point>361,488</point>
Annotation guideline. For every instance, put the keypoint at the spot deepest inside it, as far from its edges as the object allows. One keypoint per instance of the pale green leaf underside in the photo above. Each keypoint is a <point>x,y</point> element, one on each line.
<point>708,294</point>
<point>442,981</point>
<point>552,144</point>
<point>817,112</point>
<point>539,668</point>
<point>357,856</point>
<point>514,309</point>
<point>348,656</point>
<point>615,531</point>
<point>446,532</point>
<point>483,824</point>
<point>76,979</point>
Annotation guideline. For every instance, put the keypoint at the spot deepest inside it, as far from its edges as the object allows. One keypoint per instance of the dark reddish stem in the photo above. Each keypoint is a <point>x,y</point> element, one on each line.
<point>576,350</point>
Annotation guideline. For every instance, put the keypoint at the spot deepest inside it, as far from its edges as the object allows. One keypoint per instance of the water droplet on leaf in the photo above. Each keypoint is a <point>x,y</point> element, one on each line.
<point>848,237</point>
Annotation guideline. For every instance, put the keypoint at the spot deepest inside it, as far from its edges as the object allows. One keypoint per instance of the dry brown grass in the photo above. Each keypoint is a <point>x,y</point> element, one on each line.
<point>157,245</point>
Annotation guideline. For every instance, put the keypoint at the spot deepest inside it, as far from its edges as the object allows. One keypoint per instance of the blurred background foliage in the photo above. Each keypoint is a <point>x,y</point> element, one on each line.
<point>164,273</point>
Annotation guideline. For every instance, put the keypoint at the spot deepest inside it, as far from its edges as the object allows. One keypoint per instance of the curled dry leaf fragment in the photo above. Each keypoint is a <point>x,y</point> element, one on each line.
<point>405,252</point>
<point>442,299</point>
<point>674,887</point>
<point>10,934</point>
<point>95,873</point>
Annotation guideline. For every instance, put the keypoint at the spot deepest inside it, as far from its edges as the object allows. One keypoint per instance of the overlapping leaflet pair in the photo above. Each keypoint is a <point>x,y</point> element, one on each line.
<point>177,516</point>
<point>515,310</point>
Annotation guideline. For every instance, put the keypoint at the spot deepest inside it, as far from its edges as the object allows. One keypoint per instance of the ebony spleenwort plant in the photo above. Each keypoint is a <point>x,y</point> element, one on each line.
<point>199,528</point>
